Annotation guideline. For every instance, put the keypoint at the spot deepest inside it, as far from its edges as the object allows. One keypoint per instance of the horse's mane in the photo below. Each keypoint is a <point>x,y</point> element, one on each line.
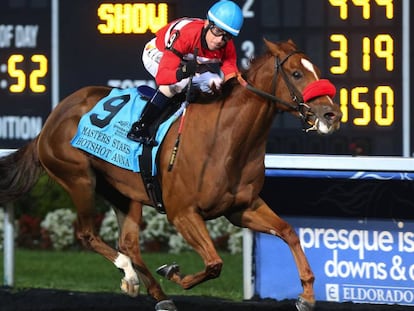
<point>287,46</point>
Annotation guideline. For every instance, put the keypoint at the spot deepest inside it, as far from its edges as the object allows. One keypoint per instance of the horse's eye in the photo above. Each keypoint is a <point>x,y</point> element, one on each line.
<point>296,75</point>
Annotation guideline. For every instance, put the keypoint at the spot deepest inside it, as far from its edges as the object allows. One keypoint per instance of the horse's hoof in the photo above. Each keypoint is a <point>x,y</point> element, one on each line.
<point>165,305</point>
<point>304,305</point>
<point>168,270</point>
<point>130,288</point>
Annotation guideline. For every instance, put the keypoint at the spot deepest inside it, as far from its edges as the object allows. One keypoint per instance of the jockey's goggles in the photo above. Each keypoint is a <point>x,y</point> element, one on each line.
<point>218,32</point>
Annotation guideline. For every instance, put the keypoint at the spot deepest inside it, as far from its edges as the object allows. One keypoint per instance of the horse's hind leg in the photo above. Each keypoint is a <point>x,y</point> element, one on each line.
<point>129,244</point>
<point>193,229</point>
<point>71,170</point>
<point>82,194</point>
<point>261,218</point>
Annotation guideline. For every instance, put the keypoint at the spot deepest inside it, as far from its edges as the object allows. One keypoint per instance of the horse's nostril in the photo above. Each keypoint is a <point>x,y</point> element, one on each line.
<point>330,116</point>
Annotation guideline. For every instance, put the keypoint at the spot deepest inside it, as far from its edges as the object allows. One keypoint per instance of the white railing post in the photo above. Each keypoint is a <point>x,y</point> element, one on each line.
<point>248,281</point>
<point>8,245</point>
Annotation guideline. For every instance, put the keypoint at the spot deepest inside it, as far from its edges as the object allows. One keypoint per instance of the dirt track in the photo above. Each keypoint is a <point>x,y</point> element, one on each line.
<point>59,300</point>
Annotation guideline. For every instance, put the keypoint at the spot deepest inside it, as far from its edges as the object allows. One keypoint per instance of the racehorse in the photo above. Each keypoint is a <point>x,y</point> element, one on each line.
<point>218,169</point>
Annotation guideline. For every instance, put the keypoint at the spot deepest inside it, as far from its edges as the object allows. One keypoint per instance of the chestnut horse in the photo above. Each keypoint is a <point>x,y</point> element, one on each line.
<point>218,170</point>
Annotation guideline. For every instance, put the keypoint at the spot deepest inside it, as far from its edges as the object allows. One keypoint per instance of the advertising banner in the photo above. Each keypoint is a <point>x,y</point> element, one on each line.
<point>363,261</point>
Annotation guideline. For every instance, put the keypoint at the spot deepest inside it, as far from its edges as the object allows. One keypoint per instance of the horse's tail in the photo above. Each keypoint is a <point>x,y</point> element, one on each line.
<point>19,172</point>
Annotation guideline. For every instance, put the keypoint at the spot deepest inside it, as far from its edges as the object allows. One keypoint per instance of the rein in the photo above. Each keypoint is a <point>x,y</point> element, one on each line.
<point>294,93</point>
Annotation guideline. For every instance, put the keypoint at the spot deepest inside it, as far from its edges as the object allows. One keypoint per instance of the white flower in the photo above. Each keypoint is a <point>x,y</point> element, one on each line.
<point>177,244</point>
<point>157,227</point>
<point>221,227</point>
<point>235,242</point>
<point>109,227</point>
<point>59,225</point>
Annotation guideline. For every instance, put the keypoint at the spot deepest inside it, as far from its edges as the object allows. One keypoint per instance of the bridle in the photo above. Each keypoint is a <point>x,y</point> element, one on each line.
<point>299,105</point>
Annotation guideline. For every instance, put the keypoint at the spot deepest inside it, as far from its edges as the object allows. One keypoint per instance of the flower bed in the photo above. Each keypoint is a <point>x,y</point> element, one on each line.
<point>56,231</point>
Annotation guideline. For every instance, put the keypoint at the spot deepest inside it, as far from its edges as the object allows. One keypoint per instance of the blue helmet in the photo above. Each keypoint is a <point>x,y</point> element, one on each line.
<point>226,15</point>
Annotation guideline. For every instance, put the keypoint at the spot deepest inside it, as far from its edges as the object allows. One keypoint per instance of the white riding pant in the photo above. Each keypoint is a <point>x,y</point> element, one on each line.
<point>151,58</point>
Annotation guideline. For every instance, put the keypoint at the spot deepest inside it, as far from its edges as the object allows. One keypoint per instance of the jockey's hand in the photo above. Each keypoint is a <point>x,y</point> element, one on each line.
<point>208,82</point>
<point>186,70</point>
<point>215,83</point>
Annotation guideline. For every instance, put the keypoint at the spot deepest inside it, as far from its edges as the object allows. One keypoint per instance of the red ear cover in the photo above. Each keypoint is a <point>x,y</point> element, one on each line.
<point>322,87</point>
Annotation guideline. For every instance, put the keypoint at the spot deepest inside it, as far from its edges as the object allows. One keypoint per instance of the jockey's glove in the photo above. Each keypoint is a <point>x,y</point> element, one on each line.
<point>186,70</point>
<point>208,82</point>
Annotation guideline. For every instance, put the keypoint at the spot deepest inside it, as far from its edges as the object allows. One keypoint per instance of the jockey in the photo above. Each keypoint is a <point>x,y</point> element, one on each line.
<point>169,57</point>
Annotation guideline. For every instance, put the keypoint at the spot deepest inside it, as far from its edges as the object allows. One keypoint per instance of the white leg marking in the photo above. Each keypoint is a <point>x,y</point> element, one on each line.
<point>124,262</point>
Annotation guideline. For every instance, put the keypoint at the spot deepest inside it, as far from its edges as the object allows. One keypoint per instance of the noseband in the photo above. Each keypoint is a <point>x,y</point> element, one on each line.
<point>303,109</point>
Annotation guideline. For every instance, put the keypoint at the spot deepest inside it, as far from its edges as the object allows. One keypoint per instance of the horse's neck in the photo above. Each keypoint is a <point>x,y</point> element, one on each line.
<point>254,118</point>
<point>237,126</point>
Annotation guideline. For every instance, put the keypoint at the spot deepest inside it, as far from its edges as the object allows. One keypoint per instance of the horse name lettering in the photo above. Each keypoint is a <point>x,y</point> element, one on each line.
<point>94,147</point>
<point>119,158</point>
<point>117,144</point>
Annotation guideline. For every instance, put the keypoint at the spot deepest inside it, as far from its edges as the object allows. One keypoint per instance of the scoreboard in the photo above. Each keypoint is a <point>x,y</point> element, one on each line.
<point>25,53</point>
<point>360,45</point>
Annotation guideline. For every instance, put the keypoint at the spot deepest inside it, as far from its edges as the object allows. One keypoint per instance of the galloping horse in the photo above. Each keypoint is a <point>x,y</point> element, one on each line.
<point>218,170</point>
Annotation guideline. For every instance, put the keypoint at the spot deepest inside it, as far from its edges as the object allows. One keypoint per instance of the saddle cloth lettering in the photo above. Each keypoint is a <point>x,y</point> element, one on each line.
<point>102,131</point>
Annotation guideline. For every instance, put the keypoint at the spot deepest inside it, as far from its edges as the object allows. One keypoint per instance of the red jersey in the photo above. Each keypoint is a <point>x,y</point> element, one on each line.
<point>182,36</point>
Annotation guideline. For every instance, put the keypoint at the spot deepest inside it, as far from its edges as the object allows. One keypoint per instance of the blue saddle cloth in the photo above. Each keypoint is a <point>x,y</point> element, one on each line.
<point>102,131</point>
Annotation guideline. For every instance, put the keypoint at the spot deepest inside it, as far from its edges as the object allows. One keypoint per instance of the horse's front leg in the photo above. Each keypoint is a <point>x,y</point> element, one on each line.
<point>193,229</point>
<point>260,218</point>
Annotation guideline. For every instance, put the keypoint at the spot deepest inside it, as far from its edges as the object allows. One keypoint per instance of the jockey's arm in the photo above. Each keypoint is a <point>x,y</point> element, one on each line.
<point>167,68</point>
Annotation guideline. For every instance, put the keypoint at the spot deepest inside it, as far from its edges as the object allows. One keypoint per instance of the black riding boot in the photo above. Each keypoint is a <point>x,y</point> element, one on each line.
<point>139,131</point>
